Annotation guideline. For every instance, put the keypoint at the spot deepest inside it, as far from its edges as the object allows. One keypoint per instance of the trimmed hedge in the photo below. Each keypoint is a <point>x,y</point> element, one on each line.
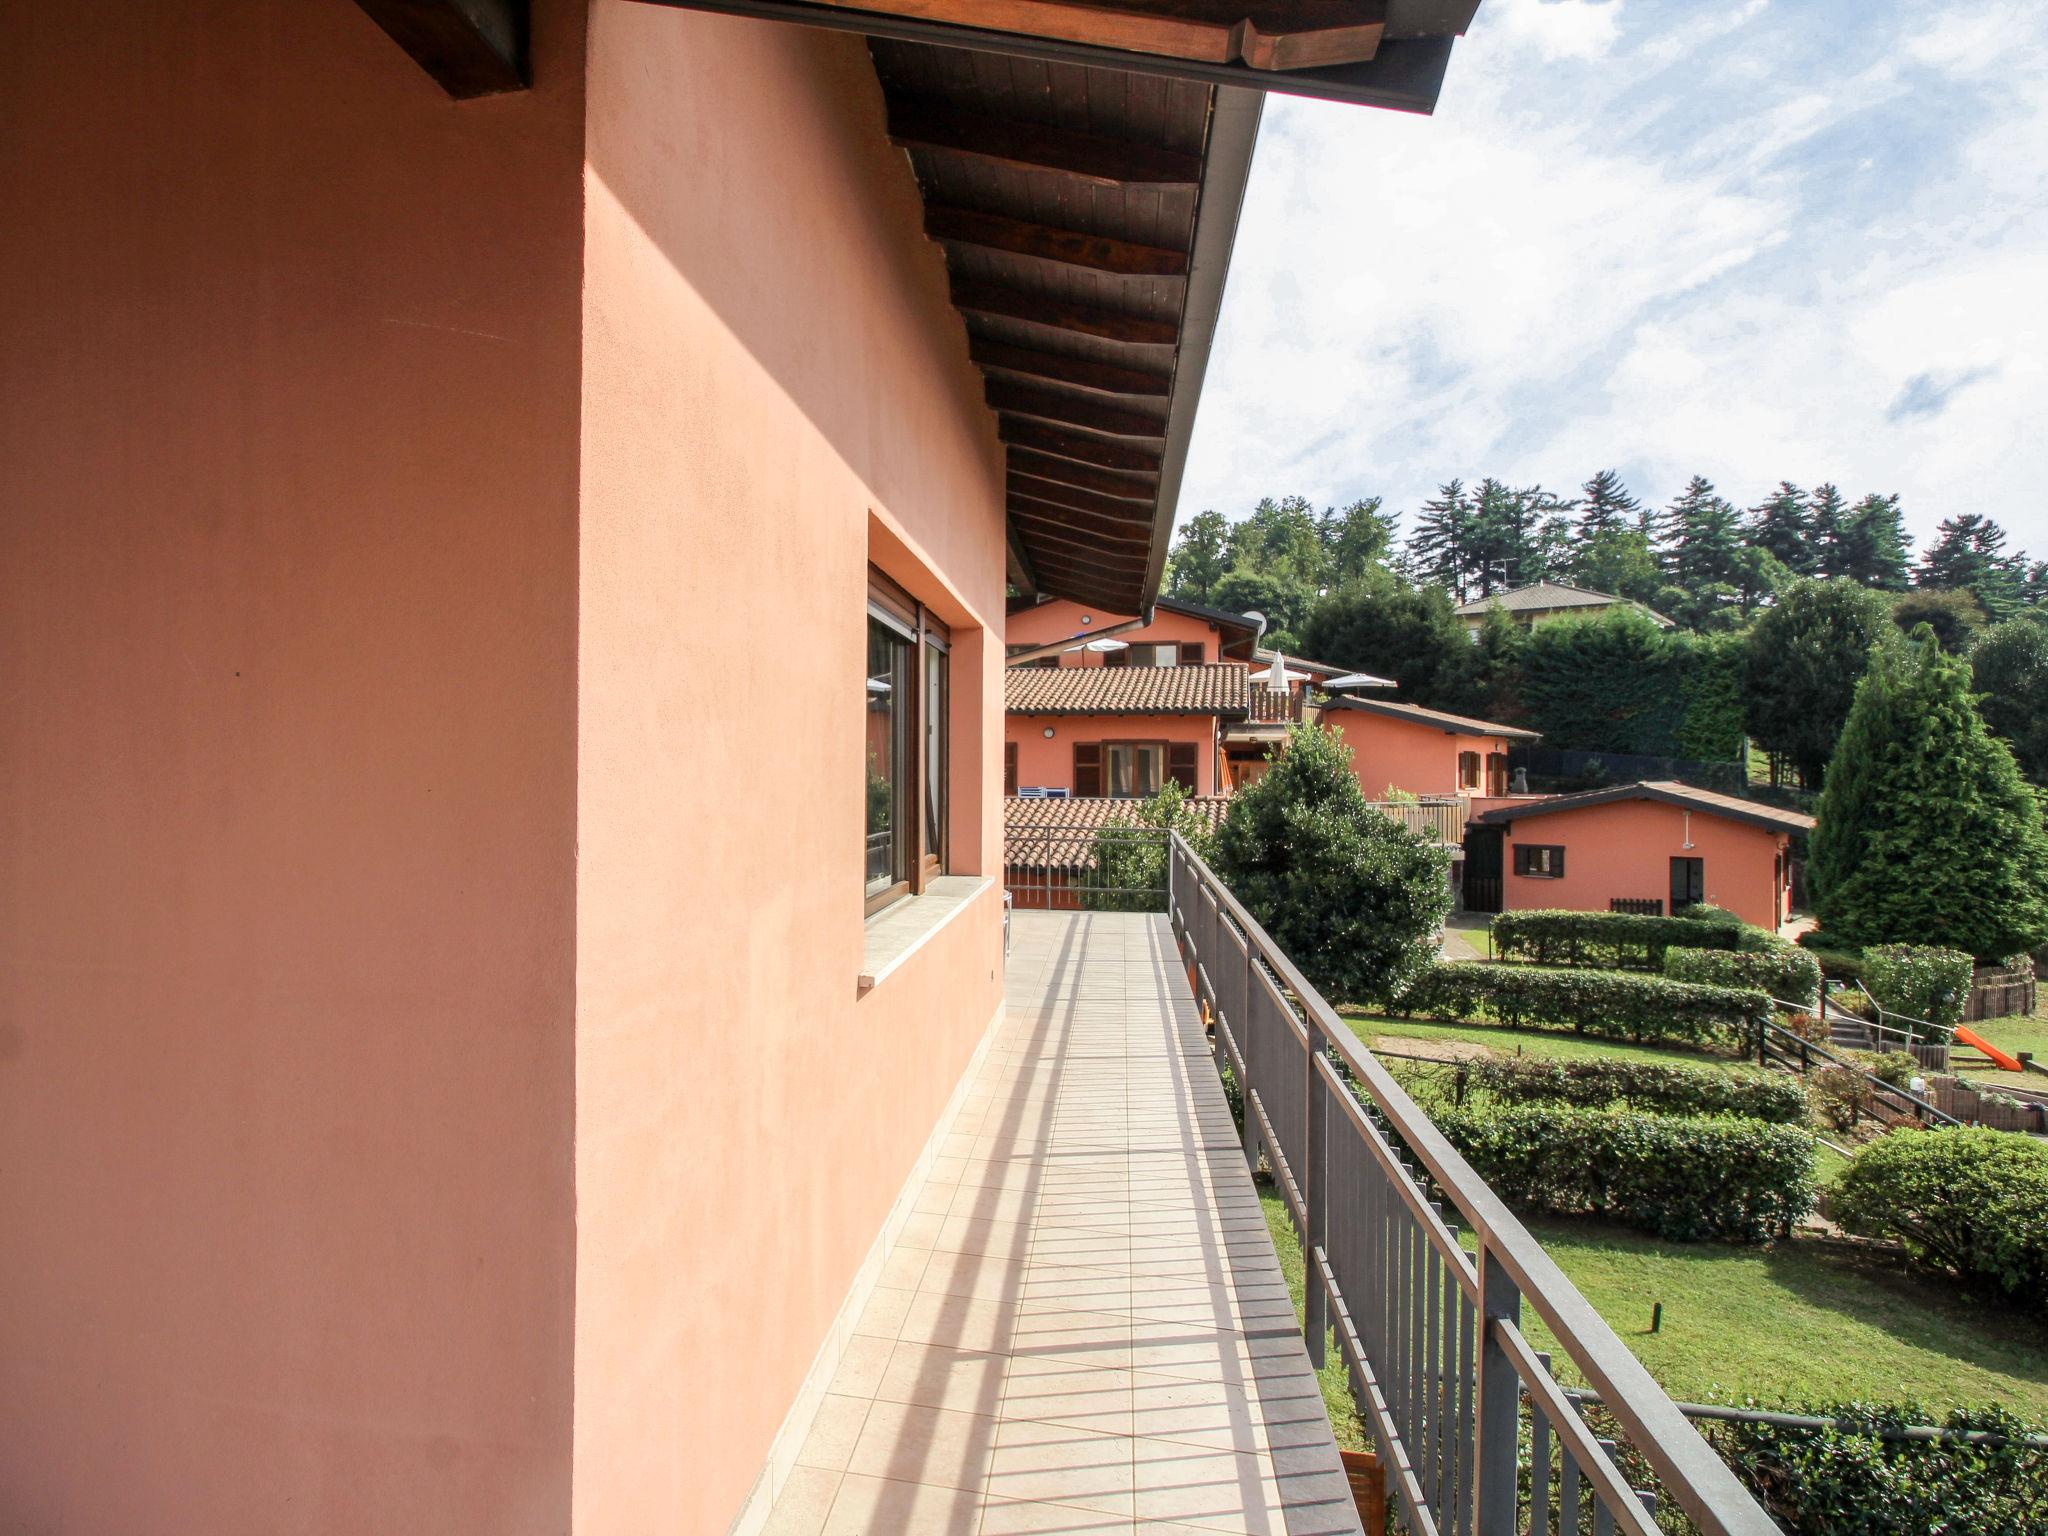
<point>1612,938</point>
<point>1922,981</point>
<point>1969,1202</point>
<point>1644,1086</point>
<point>1786,973</point>
<point>1848,1482</point>
<point>1686,1179</point>
<point>1611,1004</point>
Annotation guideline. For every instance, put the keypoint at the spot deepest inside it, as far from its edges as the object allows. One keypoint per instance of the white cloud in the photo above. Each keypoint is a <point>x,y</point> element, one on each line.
<point>1569,267</point>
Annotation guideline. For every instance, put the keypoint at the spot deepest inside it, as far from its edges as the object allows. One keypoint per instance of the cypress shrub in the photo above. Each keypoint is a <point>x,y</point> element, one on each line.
<point>1607,938</point>
<point>1609,1004</point>
<point>1687,1179</point>
<point>1787,973</point>
<point>1968,1202</point>
<point>1645,1086</point>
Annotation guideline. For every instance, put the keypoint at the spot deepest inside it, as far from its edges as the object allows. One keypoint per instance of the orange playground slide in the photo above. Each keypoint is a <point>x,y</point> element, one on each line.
<point>1970,1037</point>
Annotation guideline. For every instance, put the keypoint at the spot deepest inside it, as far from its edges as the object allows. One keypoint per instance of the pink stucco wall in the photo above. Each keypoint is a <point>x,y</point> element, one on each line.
<point>288,506</point>
<point>775,386</point>
<point>1060,618</point>
<point>1625,848</point>
<point>434,1092</point>
<point>1049,764</point>
<point>1416,758</point>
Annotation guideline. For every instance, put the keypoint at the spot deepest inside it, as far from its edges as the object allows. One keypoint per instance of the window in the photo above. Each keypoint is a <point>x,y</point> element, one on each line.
<point>1145,654</point>
<point>1496,773</point>
<point>1540,861</point>
<point>1127,770</point>
<point>908,718</point>
<point>1191,653</point>
<point>1468,770</point>
<point>1009,767</point>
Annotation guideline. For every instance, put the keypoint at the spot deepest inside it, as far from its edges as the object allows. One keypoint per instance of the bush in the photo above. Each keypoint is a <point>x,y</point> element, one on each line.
<point>1848,1482</point>
<point>1968,1202</point>
<point>1685,1179</point>
<point>1611,1004</point>
<point>1919,980</point>
<point>1645,1086</point>
<point>1609,938</point>
<point>1788,974</point>
<point>1842,1096</point>
<point>1705,912</point>
<point>1839,959</point>
<point>1130,862</point>
<point>1353,898</point>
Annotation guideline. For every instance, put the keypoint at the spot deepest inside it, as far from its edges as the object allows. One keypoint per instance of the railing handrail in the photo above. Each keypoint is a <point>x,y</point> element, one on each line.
<point>1942,1033</point>
<point>1689,1467</point>
<point>1771,1027</point>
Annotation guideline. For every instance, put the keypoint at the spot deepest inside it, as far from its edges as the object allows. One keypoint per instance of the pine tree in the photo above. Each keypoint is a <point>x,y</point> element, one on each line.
<point>1440,549</point>
<point>1827,518</point>
<point>1507,534</point>
<point>1782,528</point>
<point>1703,538</point>
<point>1876,544</point>
<point>2034,589</point>
<point>1969,556</point>
<point>1355,540</point>
<point>1926,833</point>
<point>1605,506</point>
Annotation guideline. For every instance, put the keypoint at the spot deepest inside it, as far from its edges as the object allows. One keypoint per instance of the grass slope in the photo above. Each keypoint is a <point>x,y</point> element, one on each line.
<point>1554,1044</point>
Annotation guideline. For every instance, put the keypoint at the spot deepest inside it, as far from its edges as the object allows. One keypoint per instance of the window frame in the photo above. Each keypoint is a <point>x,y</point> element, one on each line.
<point>1468,770</point>
<point>922,782</point>
<point>1525,860</point>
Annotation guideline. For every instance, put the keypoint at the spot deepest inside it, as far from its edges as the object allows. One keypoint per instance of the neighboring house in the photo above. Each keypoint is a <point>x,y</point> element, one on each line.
<point>459,1061</point>
<point>1649,847</point>
<point>1543,601</point>
<point>1415,751</point>
<point>1050,845</point>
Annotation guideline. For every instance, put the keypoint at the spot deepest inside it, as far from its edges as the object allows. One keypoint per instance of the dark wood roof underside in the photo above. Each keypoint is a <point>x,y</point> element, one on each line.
<point>1065,197</point>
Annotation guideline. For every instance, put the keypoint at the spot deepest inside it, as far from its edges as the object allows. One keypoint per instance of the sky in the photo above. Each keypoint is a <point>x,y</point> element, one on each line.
<point>1749,239</point>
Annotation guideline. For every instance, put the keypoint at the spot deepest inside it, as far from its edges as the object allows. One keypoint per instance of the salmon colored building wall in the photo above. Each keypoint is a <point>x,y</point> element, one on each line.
<point>1043,764</point>
<point>1625,848</point>
<point>288,620</point>
<point>770,356</point>
<point>435,1093</point>
<point>1419,759</point>
<point>1060,618</point>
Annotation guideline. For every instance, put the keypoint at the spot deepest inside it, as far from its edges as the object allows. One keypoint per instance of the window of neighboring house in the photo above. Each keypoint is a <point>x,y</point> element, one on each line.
<point>1040,661</point>
<point>1009,767</point>
<point>908,725</point>
<point>1127,770</point>
<point>1496,773</point>
<point>1145,654</point>
<point>1191,653</point>
<point>1688,883</point>
<point>1541,861</point>
<point>1468,770</point>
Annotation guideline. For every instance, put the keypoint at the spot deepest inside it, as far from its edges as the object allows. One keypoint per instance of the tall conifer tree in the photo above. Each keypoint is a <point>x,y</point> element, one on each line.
<point>1440,550</point>
<point>1827,519</point>
<point>1877,544</point>
<point>1605,506</point>
<point>1782,528</point>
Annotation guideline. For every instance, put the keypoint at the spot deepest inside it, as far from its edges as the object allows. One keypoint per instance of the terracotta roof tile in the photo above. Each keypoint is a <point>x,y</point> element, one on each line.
<point>1218,688</point>
<point>1463,725</point>
<point>1755,812</point>
<point>1059,834</point>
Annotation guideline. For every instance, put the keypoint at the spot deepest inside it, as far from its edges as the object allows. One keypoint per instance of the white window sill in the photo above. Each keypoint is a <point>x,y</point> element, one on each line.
<point>896,933</point>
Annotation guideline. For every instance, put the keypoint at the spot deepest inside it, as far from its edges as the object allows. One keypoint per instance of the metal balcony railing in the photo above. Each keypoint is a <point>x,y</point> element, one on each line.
<point>1431,1334</point>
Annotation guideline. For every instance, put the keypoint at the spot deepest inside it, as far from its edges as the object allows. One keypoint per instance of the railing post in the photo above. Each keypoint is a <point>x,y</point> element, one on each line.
<point>1244,1028</point>
<point>1499,1392</point>
<point>1310,1180</point>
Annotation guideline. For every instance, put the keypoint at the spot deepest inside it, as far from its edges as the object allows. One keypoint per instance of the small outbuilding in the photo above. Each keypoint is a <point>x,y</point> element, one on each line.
<point>1650,847</point>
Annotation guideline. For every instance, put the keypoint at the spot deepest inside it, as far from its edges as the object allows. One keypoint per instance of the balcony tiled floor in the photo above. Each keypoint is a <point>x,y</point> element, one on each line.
<point>1083,1327</point>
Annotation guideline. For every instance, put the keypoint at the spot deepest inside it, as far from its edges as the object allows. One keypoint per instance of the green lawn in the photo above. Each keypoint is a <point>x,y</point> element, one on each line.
<point>1557,1044</point>
<point>1799,1321</point>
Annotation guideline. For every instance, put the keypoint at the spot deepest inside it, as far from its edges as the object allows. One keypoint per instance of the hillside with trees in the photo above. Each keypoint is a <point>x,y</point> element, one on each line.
<point>1775,608</point>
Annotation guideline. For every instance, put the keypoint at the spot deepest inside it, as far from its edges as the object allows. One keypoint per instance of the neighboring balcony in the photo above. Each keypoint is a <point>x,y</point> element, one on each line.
<point>1439,820</point>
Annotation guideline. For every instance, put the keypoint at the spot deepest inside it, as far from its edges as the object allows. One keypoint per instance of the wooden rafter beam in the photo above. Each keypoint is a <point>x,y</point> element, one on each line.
<point>1073,410</point>
<point>1038,518</point>
<point>1058,314</point>
<point>1051,552</point>
<point>1070,247</point>
<point>1036,146</point>
<point>1078,446</point>
<point>1265,34</point>
<point>1044,466</point>
<point>1131,527</point>
<point>471,47</point>
<point>1073,498</point>
<point>1084,372</point>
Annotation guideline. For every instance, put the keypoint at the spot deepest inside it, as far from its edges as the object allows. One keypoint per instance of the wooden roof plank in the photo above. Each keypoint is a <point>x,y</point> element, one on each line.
<point>1083,372</point>
<point>1140,489</point>
<point>1060,314</point>
<point>1110,162</point>
<point>1070,247</point>
<point>1077,446</point>
<point>1078,411</point>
